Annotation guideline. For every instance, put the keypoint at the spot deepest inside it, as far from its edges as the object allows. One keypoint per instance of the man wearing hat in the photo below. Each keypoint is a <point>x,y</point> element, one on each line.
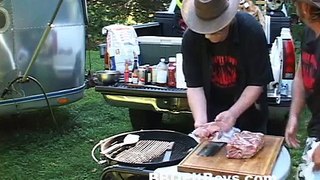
<point>306,91</point>
<point>226,65</point>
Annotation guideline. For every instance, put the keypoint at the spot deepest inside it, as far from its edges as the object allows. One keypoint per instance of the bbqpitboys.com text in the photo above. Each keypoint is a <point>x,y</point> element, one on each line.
<point>204,176</point>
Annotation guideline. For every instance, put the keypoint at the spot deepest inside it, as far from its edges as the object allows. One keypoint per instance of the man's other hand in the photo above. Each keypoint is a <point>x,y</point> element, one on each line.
<point>226,120</point>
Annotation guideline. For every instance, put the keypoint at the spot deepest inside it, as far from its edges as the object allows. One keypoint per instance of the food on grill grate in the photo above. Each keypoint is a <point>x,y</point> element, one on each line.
<point>144,151</point>
<point>244,145</point>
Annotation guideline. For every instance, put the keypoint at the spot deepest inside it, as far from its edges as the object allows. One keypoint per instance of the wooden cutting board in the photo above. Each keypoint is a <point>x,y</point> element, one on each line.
<point>259,165</point>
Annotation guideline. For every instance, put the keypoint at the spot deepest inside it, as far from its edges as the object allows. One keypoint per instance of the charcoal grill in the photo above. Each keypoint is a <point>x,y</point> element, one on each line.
<point>183,144</point>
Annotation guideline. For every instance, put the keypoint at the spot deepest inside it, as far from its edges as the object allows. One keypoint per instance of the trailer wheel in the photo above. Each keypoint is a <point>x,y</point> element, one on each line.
<point>145,119</point>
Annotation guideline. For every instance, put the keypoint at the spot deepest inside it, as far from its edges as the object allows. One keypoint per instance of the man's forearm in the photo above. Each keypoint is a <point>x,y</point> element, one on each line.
<point>198,105</point>
<point>247,98</point>
<point>298,96</point>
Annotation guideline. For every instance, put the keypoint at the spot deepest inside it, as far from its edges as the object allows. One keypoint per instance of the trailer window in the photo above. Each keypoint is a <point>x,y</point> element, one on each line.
<point>4,20</point>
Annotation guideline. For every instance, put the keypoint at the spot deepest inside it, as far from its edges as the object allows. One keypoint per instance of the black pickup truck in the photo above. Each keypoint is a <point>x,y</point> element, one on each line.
<point>147,104</point>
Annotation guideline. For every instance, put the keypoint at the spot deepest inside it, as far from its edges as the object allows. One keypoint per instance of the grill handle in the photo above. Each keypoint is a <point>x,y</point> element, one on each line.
<point>126,169</point>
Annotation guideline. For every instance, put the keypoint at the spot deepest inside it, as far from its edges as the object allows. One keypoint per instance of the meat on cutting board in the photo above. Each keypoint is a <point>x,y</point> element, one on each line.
<point>208,130</point>
<point>244,145</point>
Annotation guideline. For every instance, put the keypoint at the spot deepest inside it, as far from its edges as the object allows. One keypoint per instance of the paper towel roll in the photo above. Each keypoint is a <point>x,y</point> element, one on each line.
<point>179,73</point>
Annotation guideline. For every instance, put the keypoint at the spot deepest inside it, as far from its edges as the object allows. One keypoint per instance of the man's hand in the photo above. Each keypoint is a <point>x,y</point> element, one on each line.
<point>226,120</point>
<point>207,131</point>
<point>199,123</point>
<point>316,158</point>
<point>291,133</point>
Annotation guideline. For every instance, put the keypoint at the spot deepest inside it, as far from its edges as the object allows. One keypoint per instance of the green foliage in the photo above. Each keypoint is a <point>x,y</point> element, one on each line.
<point>106,12</point>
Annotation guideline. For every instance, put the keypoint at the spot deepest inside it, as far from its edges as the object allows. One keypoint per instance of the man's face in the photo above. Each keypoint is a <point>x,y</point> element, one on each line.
<point>218,36</point>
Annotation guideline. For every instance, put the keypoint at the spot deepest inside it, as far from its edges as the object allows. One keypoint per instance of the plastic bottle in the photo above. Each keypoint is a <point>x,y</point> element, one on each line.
<point>162,73</point>
<point>172,72</point>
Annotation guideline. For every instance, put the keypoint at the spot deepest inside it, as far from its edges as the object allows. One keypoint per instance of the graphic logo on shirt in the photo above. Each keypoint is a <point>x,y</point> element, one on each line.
<point>224,71</point>
<point>309,67</point>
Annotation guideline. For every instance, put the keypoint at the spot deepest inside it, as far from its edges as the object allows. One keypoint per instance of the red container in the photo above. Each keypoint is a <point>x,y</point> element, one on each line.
<point>172,72</point>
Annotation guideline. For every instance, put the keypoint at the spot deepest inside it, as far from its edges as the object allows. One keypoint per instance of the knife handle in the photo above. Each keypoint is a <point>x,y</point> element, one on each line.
<point>111,149</point>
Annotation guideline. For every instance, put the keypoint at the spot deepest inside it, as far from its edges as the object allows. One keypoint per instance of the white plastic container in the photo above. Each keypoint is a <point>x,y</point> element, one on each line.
<point>162,72</point>
<point>180,81</point>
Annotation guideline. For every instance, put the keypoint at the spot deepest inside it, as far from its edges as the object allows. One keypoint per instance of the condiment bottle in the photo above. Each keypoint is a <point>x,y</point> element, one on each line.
<point>172,72</point>
<point>107,61</point>
<point>126,73</point>
<point>142,75</point>
<point>148,75</point>
<point>135,75</point>
<point>162,73</point>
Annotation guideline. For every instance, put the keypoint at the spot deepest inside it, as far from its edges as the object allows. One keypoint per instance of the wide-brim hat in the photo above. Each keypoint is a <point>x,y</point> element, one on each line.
<point>208,16</point>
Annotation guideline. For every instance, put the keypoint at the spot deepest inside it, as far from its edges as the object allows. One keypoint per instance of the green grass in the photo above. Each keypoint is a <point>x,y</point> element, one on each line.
<point>32,147</point>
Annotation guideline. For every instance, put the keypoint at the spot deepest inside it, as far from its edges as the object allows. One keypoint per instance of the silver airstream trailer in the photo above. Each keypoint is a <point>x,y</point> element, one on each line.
<point>42,53</point>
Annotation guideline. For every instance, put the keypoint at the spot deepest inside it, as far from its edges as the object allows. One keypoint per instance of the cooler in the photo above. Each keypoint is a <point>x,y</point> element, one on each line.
<point>152,48</point>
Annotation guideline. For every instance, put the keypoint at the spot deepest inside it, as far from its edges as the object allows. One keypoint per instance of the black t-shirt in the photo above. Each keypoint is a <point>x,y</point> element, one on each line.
<point>224,69</point>
<point>310,67</point>
<point>224,75</point>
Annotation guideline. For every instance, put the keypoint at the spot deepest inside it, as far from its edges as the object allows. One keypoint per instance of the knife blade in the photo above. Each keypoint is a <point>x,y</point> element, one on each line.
<point>168,152</point>
<point>211,148</point>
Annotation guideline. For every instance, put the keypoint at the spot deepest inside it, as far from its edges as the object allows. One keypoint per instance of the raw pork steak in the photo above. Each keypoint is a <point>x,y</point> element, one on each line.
<point>244,145</point>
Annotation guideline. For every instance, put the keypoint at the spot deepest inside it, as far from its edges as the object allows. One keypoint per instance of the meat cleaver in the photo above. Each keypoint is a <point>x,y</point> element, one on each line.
<point>211,148</point>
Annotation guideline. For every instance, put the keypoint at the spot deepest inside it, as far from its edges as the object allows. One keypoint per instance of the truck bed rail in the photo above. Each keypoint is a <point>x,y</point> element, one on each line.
<point>142,91</point>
